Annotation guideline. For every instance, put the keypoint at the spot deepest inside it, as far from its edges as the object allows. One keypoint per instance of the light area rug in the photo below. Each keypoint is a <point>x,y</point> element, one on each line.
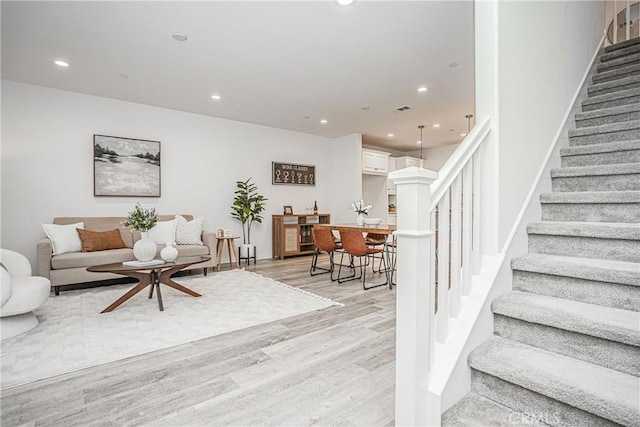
<point>73,335</point>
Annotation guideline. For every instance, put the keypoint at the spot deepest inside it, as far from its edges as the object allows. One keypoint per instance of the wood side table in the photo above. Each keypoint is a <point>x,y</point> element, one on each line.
<point>230,248</point>
<point>151,276</point>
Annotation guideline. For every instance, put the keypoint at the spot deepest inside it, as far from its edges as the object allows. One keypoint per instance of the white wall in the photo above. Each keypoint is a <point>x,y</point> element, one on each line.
<point>544,49</point>
<point>47,163</point>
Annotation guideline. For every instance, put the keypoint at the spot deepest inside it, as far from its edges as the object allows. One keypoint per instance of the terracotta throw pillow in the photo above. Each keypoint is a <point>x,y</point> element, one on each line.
<point>100,240</point>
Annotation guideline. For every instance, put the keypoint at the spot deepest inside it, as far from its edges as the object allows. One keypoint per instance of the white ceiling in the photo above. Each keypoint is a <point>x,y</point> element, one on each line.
<point>281,64</point>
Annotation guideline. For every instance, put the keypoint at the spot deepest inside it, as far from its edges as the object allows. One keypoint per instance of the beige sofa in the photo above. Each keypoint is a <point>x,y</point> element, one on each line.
<point>70,268</point>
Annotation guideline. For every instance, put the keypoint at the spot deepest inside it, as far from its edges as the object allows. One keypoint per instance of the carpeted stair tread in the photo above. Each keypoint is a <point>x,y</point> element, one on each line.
<point>622,45</point>
<point>602,230</point>
<point>606,128</point>
<point>614,85</point>
<point>629,49</point>
<point>596,170</point>
<point>616,197</point>
<point>626,273</point>
<point>618,62</point>
<point>603,147</point>
<point>616,73</point>
<point>475,410</point>
<point>604,392</point>
<point>629,95</point>
<point>611,113</point>
<point>598,321</point>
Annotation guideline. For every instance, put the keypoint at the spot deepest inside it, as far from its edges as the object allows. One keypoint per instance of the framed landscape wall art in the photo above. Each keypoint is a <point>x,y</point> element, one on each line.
<point>125,167</point>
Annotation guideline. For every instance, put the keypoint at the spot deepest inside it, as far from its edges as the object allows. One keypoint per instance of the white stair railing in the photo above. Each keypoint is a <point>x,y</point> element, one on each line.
<point>624,20</point>
<point>438,240</point>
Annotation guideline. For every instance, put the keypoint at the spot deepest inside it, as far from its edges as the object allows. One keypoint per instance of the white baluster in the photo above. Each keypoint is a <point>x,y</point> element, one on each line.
<point>467,227</point>
<point>443,268</point>
<point>615,22</point>
<point>627,22</point>
<point>475,258</point>
<point>454,294</point>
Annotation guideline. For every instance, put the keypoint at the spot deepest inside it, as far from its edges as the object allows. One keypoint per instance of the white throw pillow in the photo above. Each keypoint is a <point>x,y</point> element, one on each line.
<point>163,232</point>
<point>64,238</point>
<point>189,232</point>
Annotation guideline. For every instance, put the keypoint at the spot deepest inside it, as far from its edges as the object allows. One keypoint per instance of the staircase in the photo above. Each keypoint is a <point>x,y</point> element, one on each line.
<point>566,344</point>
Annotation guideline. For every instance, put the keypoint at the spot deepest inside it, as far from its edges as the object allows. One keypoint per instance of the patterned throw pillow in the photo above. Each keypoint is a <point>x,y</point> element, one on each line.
<point>100,240</point>
<point>189,232</point>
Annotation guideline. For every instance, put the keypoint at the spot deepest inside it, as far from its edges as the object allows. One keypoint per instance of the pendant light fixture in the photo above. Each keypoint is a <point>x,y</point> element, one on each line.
<point>468,117</point>
<point>421,127</point>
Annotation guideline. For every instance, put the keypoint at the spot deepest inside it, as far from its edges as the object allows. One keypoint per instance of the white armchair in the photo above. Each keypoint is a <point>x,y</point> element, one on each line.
<point>20,294</point>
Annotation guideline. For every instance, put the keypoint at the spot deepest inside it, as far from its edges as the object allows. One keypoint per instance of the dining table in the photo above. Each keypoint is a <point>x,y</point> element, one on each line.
<point>389,243</point>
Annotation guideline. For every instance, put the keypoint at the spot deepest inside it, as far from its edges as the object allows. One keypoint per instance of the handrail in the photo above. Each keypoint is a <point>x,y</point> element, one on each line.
<point>448,202</point>
<point>458,160</point>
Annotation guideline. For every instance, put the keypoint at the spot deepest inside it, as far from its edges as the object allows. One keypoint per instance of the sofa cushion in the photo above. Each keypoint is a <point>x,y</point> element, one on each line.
<point>163,232</point>
<point>64,238</point>
<point>189,232</point>
<point>190,250</point>
<point>87,259</point>
<point>100,240</point>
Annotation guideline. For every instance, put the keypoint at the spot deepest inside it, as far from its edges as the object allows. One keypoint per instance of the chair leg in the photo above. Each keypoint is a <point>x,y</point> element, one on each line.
<point>314,264</point>
<point>351,267</point>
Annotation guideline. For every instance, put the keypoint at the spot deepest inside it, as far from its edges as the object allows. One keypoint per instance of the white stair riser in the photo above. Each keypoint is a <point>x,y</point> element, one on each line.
<point>585,247</point>
<point>626,182</point>
<point>591,212</point>
<point>613,355</point>
<point>615,295</point>
<point>525,401</point>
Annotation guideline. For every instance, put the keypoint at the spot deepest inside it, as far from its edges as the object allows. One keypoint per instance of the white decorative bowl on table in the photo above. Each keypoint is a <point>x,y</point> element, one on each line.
<point>373,221</point>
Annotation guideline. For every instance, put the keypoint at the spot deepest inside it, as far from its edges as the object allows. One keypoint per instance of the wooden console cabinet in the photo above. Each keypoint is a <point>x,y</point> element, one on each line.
<point>292,233</point>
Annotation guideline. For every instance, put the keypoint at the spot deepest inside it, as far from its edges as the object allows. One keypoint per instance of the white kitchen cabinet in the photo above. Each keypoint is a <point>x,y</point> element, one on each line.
<point>374,162</point>
<point>406,161</point>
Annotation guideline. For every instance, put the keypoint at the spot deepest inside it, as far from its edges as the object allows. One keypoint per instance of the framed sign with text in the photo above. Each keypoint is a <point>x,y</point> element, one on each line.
<point>293,174</point>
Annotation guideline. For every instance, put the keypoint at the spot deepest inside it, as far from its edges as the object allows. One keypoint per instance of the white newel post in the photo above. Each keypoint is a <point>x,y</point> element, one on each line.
<point>414,300</point>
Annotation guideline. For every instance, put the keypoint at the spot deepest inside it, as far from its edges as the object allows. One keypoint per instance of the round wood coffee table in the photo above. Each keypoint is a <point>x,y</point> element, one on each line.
<point>150,276</point>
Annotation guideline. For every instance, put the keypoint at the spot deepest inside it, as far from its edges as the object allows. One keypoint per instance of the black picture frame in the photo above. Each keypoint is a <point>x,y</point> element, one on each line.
<point>288,210</point>
<point>292,174</point>
<point>125,167</point>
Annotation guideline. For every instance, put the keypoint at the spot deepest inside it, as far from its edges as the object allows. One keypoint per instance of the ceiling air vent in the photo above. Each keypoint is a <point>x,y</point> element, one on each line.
<point>400,109</point>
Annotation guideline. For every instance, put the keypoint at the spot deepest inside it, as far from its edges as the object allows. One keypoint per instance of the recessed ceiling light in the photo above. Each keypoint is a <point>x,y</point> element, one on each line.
<point>323,121</point>
<point>124,76</point>
<point>344,2</point>
<point>390,135</point>
<point>216,97</point>
<point>418,142</point>
<point>436,125</point>
<point>181,37</point>
<point>365,108</point>
<point>463,134</point>
<point>422,89</point>
<point>453,65</point>
<point>61,63</point>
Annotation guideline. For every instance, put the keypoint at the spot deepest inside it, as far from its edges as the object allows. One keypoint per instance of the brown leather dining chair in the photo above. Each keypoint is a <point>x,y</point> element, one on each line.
<point>375,240</point>
<point>355,246</point>
<point>324,242</point>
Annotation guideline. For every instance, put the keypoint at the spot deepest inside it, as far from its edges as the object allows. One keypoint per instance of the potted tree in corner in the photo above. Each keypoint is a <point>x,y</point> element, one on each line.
<point>247,207</point>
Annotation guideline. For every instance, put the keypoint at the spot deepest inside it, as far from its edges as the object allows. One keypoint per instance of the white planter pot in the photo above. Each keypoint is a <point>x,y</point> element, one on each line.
<point>247,250</point>
<point>360,219</point>
<point>144,249</point>
<point>169,253</point>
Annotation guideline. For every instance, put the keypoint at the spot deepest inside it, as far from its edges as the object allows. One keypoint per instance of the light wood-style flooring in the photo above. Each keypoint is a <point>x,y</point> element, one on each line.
<point>331,367</point>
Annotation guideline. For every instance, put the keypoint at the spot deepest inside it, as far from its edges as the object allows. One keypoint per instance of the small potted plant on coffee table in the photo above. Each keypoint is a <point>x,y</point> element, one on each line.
<point>142,220</point>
